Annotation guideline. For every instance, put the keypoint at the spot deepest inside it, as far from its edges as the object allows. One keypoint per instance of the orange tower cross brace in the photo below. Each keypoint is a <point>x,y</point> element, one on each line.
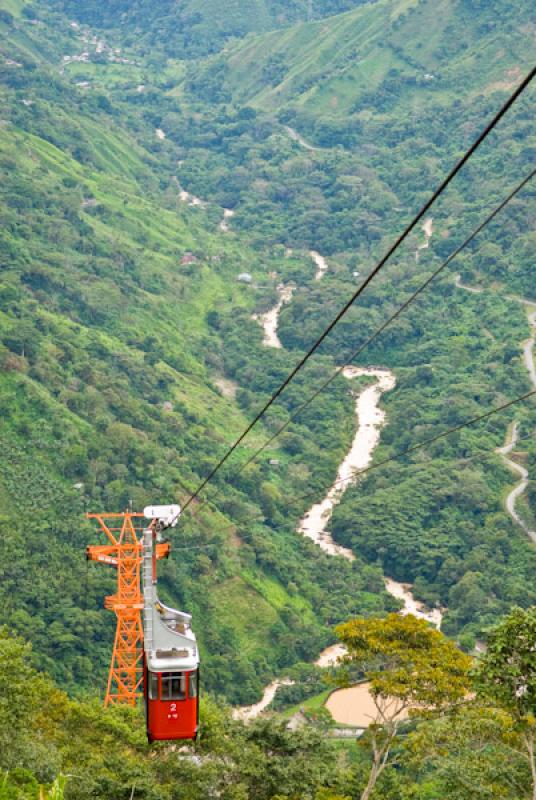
<point>124,552</point>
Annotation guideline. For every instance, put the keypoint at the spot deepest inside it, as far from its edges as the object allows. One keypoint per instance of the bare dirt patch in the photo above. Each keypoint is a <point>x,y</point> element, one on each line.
<point>227,387</point>
<point>511,78</point>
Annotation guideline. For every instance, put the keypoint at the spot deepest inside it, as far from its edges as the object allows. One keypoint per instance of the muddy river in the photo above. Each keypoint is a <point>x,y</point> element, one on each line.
<point>353,706</point>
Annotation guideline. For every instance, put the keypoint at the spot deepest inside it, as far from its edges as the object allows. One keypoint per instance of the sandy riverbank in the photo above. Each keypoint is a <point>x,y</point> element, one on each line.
<point>270,319</point>
<point>370,419</point>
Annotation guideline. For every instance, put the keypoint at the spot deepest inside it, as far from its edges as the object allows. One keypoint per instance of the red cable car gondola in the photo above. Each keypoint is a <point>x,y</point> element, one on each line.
<point>171,659</point>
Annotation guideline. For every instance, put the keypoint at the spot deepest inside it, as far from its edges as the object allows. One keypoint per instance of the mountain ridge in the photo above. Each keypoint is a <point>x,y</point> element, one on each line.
<point>104,189</point>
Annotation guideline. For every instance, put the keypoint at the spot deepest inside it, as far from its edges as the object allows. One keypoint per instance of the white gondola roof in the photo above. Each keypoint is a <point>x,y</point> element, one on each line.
<point>169,641</point>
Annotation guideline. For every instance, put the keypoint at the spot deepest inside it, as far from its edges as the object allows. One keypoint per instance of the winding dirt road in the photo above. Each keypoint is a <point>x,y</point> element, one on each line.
<point>528,346</point>
<point>518,490</point>
<point>295,136</point>
<point>459,285</point>
<point>513,434</point>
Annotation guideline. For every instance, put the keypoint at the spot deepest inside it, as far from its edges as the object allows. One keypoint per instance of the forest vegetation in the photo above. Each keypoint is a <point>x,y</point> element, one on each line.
<point>121,313</point>
<point>56,747</point>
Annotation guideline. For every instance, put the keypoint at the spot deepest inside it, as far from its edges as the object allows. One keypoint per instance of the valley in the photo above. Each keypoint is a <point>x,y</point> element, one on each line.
<point>184,209</point>
<point>349,706</point>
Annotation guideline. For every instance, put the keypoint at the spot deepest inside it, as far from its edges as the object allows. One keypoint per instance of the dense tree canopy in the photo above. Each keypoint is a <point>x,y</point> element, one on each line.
<point>129,360</point>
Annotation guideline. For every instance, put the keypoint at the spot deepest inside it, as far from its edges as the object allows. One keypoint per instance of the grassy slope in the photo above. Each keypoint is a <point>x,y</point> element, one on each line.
<point>334,40</point>
<point>108,363</point>
<point>332,63</point>
<point>193,28</point>
<point>147,224</point>
<point>166,231</point>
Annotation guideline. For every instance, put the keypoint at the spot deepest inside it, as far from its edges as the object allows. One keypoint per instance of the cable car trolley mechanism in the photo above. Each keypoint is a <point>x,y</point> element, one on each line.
<point>171,657</point>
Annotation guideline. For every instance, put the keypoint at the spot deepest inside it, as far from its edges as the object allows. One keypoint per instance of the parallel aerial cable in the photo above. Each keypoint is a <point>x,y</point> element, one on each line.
<point>379,330</point>
<point>400,454</point>
<point>483,135</point>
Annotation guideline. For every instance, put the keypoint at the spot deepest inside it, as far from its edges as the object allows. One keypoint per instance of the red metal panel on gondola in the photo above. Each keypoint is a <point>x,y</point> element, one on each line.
<point>171,657</point>
<point>172,705</point>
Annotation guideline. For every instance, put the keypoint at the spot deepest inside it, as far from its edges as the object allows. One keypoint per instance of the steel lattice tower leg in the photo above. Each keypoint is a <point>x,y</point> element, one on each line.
<point>124,552</point>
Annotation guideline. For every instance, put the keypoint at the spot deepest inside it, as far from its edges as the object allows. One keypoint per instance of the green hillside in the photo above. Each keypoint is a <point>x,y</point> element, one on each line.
<point>121,347</point>
<point>378,146</point>
<point>130,361</point>
<point>348,199</point>
<point>197,27</point>
<point>399,54</point>
<point>111,357</point>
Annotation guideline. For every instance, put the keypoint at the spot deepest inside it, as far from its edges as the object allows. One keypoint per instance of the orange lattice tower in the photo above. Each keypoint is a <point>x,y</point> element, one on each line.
<point>124,552</point>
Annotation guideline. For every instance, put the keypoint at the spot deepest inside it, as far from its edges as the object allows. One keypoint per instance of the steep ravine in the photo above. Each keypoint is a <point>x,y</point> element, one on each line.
<point>370,419</point>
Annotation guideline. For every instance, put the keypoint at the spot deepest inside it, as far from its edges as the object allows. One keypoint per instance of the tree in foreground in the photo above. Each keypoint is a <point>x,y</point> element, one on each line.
<point>412,669</point>
<point>473,754</point>
<point>506,676</point>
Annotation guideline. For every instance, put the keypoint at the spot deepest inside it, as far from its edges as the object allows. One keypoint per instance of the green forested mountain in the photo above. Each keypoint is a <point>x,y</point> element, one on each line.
<point>197,27</point>
<point>371,167</point>
<point>117,343</point>
<point>384,55</point>
<point>129,360</point>
<point>110,394</point>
